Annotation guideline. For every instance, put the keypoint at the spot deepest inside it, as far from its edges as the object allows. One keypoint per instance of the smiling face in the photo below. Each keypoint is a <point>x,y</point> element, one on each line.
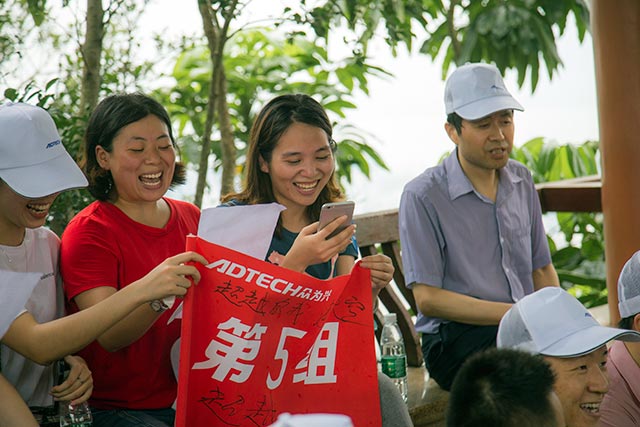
<point>581,383</point>
<point>484,144</point>
<point>301,165</point>
<point>18,213</point>
<point>141,162</point>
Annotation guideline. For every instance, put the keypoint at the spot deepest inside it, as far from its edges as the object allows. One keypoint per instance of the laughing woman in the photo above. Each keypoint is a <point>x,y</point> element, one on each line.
<point>131,233</point>
<point>290,160</point>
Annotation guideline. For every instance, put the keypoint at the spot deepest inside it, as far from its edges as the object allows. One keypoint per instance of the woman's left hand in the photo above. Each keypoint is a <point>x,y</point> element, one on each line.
<point>381,270</point>
<point>78,386</point>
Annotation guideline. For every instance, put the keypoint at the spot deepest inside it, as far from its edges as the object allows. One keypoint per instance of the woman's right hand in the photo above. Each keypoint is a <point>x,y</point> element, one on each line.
<point>172,276</point>
<point>312,246</point>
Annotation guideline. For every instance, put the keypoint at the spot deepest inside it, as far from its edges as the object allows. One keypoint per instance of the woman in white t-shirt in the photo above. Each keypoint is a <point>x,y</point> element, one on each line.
<point>34,169</point>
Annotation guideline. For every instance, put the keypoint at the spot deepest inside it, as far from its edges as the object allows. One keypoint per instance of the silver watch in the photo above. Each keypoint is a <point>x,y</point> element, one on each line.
<point>158,305</point>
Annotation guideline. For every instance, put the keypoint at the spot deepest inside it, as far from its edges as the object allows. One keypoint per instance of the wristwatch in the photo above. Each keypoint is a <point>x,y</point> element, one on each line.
<point>158,305</point>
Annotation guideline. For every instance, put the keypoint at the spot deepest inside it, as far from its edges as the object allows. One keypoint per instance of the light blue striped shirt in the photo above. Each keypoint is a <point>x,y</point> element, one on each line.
<point>456,239</point>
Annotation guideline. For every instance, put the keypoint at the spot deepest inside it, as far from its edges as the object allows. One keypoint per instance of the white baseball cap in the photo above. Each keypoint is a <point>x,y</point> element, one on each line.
<point>552,322</point>
<point>477,90</point>
<point>629,287</point>
<point>33,161</point>
<point>313,420</point>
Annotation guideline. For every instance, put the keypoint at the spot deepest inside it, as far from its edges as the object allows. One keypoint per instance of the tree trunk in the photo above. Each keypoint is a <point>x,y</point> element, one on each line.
<point>91,54</point>
<point>227,139</point>
<point>213,39</point>
<point>216,38</point>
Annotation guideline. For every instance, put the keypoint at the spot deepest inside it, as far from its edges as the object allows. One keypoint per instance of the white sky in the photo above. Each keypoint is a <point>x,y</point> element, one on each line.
<point>406,113</point>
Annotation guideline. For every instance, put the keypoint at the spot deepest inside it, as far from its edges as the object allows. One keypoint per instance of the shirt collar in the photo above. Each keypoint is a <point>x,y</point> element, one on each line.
<point>460,185</point>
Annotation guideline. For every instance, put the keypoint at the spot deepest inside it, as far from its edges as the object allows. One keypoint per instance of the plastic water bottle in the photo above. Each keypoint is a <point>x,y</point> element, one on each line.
<point>394,357</point>
<point>71,415</point>
<point>75,415</point>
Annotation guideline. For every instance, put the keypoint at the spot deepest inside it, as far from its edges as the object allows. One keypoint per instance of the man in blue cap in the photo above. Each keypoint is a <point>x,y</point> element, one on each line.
<point>473,242</point>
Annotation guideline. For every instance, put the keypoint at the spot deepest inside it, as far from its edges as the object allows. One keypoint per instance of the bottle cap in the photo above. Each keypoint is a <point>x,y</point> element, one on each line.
<point>390,318</point>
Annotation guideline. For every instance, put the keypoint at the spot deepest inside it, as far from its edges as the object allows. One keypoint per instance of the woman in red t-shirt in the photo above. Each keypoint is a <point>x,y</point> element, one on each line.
<point>130,234</point>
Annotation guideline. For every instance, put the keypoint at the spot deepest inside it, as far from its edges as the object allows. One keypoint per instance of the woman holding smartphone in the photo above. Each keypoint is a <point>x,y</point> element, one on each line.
<point>290,160</point>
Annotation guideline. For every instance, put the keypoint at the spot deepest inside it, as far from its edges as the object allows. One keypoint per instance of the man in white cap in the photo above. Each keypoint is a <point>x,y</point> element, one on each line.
<point>555,325</point>
<point>471,228</point>
<point>621,405</point>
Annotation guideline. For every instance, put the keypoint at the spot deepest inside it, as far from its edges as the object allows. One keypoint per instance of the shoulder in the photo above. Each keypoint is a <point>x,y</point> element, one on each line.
<point>232,202</point>
<point>182,205</point>
<point>431,179</point>
<point>183,208</point>
<point>518,169</point>
<point>43,237</point>
<point>43,233</point>
<point>428,189</point>
<point>95,217</point>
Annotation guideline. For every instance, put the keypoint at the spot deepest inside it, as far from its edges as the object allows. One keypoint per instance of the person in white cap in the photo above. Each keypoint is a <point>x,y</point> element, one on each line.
<point>34,169</point>
<point>621,405</point>
<point>473,242</point>
<point>554,324</point>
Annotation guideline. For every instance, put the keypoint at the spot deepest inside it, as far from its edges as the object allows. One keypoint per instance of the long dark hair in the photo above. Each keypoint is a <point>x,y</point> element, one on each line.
<point>272,121</point>
<point>109,117</point>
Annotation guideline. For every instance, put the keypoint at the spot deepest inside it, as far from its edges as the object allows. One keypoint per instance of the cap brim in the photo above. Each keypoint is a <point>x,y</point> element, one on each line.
<point>484,107</point>
<point>40,180</point>
<point>587,340</point>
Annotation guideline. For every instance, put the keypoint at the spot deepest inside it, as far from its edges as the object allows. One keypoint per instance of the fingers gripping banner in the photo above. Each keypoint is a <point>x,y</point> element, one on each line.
<point>259,340</point>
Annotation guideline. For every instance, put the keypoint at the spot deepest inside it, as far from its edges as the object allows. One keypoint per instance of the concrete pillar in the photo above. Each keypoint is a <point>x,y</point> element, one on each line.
<point>615,26</point>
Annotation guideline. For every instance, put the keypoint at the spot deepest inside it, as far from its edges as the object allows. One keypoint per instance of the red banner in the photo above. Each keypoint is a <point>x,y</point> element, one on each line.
<point>259,340</point>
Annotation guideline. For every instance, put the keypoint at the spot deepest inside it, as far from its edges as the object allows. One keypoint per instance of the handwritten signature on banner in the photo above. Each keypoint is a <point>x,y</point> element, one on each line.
<point>241,294</point>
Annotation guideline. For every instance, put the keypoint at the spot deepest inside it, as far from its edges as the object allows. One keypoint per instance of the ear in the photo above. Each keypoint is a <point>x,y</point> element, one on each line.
<point>452,132</point>
<point>102,156</point>
<point>264,166</point>
<point>636,322</point>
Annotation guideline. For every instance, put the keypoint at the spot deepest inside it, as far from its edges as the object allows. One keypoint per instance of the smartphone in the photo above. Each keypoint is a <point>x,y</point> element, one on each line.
<point>331,211</point>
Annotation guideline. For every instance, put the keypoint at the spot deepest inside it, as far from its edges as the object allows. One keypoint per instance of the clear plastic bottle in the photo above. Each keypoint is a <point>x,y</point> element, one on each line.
<point>75,415</point>
<point>71,415</point>
<point>394,357</point>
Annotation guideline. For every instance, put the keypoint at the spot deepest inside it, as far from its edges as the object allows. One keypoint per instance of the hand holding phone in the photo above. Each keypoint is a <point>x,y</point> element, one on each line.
<point>330,211</point>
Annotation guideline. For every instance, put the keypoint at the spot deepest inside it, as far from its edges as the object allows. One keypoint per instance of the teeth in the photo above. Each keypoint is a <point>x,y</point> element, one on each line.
<point>306,186</point>
<point>39,207</point>
<point>591,407</point>
<point>151,175</point>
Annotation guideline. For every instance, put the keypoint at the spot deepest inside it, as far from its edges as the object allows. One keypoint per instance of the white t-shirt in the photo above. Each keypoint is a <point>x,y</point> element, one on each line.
<point>37,253</point>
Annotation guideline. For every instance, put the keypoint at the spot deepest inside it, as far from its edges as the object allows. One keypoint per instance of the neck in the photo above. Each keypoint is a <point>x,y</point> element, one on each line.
<point>634,350</point>
<point>11,235</point>
<point>295,218</point>
<point>154,214</point>
<point>485,181</point>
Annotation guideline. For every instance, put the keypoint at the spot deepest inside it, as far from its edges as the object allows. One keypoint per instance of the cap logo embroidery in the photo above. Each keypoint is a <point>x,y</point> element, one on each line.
<point>53,143</point>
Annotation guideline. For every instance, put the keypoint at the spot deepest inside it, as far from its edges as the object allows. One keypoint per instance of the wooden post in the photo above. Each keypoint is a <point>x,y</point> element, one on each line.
<point>615,29</point>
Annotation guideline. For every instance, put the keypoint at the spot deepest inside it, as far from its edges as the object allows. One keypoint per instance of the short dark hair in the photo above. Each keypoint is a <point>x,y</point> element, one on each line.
<point>109,117</point>
<point>456,121</point>
<point>502,388</point>
<point>627,322</point>
<point>270,124</point>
